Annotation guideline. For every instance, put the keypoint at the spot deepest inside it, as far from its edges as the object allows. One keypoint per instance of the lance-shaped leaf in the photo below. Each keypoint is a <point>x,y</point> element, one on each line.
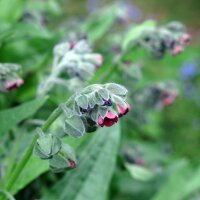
<point>90,180</point>
<point>74,126</point>
<point>136,31</point>
<point>11,117</point>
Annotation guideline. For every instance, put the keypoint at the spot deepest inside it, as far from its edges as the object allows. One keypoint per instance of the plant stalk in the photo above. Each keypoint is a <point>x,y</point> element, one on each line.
<point>57,112</point>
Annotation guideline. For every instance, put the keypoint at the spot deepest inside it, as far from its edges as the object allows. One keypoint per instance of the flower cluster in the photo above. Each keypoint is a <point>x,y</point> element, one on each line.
<point>161,94</point>
<point>77,59</point>
<point>72,59</point>
<point>9,79</point>
<point>96,105</point>
<point>154,97</point>
<point>172,38</point>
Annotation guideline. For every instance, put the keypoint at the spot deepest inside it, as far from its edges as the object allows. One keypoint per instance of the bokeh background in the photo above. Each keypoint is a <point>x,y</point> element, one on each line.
<point>167,146</point>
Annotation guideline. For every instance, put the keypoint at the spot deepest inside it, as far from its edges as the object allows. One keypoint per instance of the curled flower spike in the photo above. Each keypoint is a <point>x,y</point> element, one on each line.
<point>93,106</point>
<point>171,38</point>
<point>108,120</point>
<point>74,59</point>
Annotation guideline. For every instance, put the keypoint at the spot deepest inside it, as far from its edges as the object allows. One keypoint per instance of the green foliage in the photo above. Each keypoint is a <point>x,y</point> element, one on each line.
<point>162,144</point>
<point>98,25</point>
<point>11,10</point>
<point>136,32</point>
<point>36,167</point>
<point>96,165</point>
<point>11,117</point>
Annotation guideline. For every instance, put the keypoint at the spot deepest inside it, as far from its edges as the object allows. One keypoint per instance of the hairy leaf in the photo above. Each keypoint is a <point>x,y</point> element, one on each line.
<point>11,117</point>
<point>95,167</point>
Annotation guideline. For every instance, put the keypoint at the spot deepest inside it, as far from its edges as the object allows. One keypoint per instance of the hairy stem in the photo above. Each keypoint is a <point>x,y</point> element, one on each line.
<point>57,112</point>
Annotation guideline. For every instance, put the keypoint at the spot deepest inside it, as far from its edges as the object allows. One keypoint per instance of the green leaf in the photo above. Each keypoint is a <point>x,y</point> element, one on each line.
<point>187,181</point>
<point>99,24</point>
<point>136,31</point>
<point>82,101</point>
<point>74,126</point>
<point>139,173</point>
<point>11,10</point>
<point>90,180</point>
<point>103,93</point>
<point>11,117</point>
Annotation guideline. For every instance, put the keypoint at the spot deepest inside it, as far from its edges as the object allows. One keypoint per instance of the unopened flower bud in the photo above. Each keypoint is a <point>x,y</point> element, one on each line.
<point>47,146</point>
<point>64,160</point>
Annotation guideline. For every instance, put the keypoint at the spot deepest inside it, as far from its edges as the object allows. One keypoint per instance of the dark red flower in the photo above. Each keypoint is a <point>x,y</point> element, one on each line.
<point>99,60</point>
<point>72,164</point>
<point>123,110</point>
<point>177,50</point>
<point>110,119</point>
<point>14,84</point>
<point>72,45</point>
<point>168,99</point>
<point>184,39</point>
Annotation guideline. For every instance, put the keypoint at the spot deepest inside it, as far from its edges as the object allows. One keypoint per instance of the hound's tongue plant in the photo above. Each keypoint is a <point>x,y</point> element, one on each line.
<point>94,106</point>
<point>74,59</point>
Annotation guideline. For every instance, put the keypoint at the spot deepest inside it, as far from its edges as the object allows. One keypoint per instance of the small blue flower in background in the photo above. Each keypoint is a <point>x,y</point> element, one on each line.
<point>189,70</point>
<point>92,5</point>
<point>189,90</point>
<point>189,73</point>
<point>131,11</point>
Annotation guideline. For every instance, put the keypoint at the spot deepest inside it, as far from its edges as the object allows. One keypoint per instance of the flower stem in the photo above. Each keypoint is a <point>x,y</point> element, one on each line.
<point>57,112</point>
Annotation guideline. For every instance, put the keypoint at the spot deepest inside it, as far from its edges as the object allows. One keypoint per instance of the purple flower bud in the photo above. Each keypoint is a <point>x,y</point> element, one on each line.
<point>107,102</point>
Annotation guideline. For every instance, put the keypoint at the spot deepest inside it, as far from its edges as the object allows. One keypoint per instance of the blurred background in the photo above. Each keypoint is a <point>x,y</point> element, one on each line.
<point>159,154</point>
